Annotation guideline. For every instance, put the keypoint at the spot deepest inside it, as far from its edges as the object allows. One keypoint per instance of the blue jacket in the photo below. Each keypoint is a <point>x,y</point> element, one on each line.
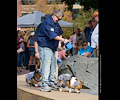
<point>89,36</point>
<point>47,32</point>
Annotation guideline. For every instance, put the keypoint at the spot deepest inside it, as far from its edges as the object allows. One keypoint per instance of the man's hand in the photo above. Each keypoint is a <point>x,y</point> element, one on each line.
<point>66,41</point>
<point>37,55</point>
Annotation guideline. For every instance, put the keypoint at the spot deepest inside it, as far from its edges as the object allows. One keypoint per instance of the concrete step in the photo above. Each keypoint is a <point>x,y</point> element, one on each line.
<point>33,93</point>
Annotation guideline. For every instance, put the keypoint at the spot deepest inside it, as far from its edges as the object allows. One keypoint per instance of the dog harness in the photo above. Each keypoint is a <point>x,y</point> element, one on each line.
<point>29,77</point>
<point>63,77</point>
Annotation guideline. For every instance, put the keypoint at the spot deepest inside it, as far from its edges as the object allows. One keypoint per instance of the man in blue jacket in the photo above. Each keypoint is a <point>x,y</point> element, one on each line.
<point>49,36</point>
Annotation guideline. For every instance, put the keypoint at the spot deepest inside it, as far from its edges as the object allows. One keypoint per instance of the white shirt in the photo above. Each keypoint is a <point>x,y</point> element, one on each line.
<point>76,39</point>
<point>94,37</point>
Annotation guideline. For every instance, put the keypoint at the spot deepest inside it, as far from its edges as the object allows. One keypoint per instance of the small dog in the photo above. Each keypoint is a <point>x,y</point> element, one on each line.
<point>71,81</point>
<point>33,78</point>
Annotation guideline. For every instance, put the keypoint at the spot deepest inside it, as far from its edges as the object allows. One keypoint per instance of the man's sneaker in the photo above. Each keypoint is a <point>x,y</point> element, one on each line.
<point>46,89</point>
<point>54,87</point>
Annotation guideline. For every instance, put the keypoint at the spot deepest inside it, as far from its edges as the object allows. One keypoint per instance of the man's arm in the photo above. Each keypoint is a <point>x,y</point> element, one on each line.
<point>59,45</point>
<point>36,50</point>
<point>61,39</point>
<point>88,54</point>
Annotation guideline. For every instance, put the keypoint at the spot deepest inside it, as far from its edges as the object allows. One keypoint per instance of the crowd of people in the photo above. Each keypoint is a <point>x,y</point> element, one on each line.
<point>25,50</point>
<point>46,44</point>
<point>88,44</point>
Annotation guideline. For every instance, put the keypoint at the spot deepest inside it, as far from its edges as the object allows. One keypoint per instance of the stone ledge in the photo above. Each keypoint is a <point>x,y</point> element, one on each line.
<point>33,93</point>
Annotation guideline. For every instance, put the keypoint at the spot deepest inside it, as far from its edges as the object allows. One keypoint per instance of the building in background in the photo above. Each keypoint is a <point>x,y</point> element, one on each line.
<point>27,6</point>
<point>19,8</point>
<point>75,10</point>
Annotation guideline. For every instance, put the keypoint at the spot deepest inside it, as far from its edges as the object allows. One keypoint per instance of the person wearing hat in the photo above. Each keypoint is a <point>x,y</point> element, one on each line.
<point>88,32</point>
<point>31,49</point>
<point>95,34</point>
<point>96,16</point>
<point>77,37</point>
<point>20,54</point>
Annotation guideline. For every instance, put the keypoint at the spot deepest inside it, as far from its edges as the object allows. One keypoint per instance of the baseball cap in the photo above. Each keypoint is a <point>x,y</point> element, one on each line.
<point>32,33</point>
<point>95,14</point>
<point>80,30</point>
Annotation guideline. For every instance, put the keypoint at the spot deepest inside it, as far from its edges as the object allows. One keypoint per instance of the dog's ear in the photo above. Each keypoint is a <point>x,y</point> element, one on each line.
<point>36,70</point>
<point>82,82</point>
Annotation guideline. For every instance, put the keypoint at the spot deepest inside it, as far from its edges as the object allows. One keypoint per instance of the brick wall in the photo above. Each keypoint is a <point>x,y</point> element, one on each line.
<point>19,8</point>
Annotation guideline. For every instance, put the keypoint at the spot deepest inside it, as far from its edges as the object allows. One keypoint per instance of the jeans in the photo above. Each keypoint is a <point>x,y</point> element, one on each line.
<point>19,59</point>
<point>23,58</point>
<point>48,58</point>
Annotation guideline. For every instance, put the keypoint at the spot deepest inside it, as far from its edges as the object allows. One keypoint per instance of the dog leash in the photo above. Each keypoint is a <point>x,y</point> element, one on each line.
<point>94,51</point>
<point>70,45</point>
<point>74,63</point>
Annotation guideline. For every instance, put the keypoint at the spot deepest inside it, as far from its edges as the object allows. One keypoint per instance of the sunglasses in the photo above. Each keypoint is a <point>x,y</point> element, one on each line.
<point>58,18</point>
<point>83,45</point>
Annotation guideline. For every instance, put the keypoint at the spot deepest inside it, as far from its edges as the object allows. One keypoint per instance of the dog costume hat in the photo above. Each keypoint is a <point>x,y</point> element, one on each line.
<point>63,77</point>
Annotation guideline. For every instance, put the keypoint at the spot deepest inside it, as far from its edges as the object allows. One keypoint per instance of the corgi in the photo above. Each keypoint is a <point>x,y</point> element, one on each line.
<point>33,78</point>
<point>70,81</point>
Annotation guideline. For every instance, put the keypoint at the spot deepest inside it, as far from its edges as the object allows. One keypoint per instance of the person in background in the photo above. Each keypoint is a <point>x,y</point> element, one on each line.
<point>20,44</point>
<point>95,34</point>
<point>77,37</point>
<point>31,49</point>
<point>62,53</point>
<point>93,23</point>
<point>88,32</point>
<point>26,38</point>
<point>71,40</point>
<point>86,51</point>
<point>22,33</point>
<point>24,53</point>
